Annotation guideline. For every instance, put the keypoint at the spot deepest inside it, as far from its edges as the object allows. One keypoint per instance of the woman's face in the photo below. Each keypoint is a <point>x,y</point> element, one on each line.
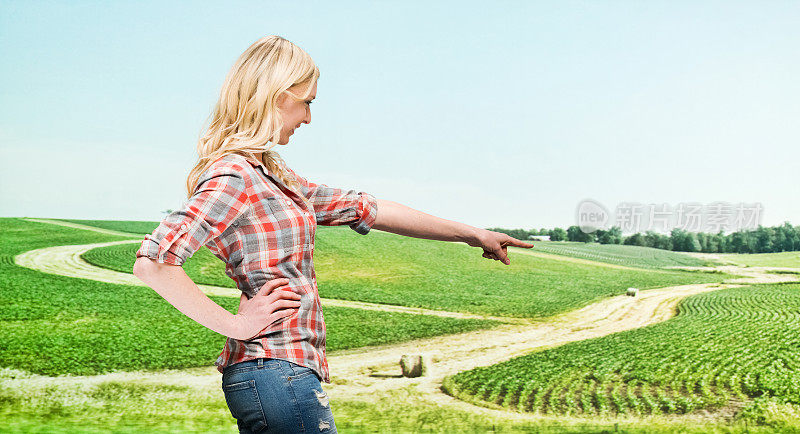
<point>295,112</point>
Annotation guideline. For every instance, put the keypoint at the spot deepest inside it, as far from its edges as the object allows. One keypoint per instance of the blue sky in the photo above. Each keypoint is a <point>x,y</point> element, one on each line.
<point>494,114</point>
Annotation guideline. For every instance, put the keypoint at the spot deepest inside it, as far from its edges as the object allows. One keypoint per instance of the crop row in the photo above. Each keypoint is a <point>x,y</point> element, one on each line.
<point>203,266</point>
<point>632,256</point>
<point>731,344</point>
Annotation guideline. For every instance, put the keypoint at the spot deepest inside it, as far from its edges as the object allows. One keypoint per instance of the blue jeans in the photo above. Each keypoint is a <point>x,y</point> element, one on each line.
<point>276,396</point>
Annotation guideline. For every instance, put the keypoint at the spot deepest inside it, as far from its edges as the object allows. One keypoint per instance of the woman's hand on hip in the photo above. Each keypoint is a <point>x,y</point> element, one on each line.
<point>273,302</point>
<point>494,244</point>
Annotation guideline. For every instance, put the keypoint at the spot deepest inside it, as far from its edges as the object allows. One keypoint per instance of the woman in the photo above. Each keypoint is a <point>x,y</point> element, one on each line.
<point>259,217</point>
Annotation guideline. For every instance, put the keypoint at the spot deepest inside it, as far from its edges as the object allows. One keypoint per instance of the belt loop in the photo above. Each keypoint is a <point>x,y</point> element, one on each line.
<point>260,362</point>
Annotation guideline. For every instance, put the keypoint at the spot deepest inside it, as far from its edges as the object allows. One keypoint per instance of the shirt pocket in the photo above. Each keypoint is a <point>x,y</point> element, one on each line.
<point>288,234</point>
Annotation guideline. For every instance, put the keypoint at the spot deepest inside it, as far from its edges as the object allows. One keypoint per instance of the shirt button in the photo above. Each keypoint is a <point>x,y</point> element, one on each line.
<point>183,227</point>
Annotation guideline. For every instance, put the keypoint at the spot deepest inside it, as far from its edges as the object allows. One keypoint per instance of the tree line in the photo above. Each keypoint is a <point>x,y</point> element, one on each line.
<point>782,238</point>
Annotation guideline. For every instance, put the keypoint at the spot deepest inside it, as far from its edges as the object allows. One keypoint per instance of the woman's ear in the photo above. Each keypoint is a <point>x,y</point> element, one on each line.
<point>280,102</point>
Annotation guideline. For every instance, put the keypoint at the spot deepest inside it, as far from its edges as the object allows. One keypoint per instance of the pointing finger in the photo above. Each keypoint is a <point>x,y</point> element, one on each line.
<point>517,243</point>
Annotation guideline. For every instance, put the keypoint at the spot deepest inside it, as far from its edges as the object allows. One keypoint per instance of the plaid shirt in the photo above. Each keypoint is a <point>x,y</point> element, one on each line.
<point>262,230</point>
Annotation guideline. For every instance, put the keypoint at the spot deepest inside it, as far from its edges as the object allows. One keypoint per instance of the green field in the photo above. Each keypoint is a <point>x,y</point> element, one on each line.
<point>132,226</point>
<point>730,346</point>
<point>618,254</point>
<point>54,325</point>
<point>736,344</point>
<point>131,407</point>
<point>782,259</point>
<point>390,269</point>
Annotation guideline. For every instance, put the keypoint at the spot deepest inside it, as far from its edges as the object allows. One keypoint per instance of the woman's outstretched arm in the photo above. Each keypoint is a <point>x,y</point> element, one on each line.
<point>400,219</point>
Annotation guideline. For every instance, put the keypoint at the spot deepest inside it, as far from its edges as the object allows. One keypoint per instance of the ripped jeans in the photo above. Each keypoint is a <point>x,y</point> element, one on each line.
<point>276,396</point>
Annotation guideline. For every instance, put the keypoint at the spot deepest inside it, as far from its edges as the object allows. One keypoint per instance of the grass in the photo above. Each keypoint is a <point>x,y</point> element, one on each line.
<point>18,235</point>
<point>87,322</point>
<point>131,226</point>
<point>391,269</point>
<point>54,325</point>
<point>203,267</point>
<point>618,254</point>
<point>782,259</point>
<point>736,344</point>
<point>133,407</point>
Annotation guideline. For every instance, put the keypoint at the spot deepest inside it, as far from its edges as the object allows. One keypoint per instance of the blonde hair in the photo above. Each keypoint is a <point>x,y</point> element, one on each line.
<point>246,117</point>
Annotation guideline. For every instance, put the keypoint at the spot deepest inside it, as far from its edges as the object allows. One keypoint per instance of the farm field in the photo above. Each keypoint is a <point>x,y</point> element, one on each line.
<point>390,269</point>
<point>141,407</point>
<point>55,325</point>
<point>130,226</point>
<point>87,325</point>
<point>630,256</point>
<point>723,348</point>
<point>782,259</point>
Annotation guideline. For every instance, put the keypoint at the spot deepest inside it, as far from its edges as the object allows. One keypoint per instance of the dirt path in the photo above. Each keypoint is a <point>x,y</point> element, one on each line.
<point>362,373</point>
<point>452,354</point>
<point>85,227</point>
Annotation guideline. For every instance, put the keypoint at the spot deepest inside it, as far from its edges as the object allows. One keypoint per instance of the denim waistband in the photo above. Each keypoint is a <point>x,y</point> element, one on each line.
<point>267,363</point>
<point>258,363</point>
<point>252,362</point>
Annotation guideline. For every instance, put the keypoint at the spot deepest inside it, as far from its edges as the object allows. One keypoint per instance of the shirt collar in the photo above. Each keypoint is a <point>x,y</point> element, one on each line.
<point>259,165</point>
<point>256,163</point>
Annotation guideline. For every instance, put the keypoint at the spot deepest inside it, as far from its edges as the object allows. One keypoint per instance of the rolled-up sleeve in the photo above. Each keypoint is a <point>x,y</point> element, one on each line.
<point>218,200</point>
<point>334,206</point>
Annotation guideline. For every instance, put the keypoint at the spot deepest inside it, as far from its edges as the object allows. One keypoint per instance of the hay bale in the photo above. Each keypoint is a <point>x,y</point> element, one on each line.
<point>632,292</point>
<point>414,365</point>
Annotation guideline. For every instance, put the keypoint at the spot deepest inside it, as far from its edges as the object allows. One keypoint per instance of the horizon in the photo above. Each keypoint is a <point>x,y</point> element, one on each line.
<point>625,235</point>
